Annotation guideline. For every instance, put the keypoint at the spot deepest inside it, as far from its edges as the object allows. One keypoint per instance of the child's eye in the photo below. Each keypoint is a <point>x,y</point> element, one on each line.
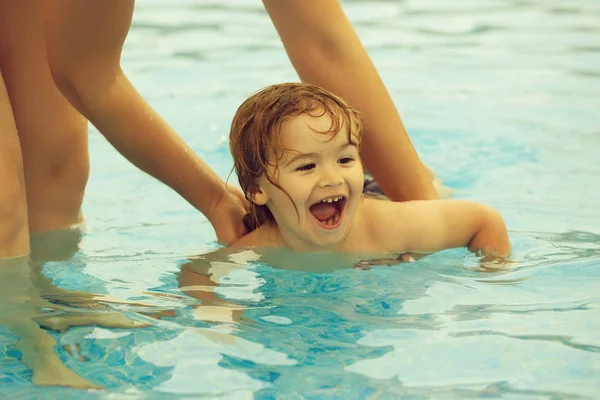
<point>305,167</point>
<point>345,160</point>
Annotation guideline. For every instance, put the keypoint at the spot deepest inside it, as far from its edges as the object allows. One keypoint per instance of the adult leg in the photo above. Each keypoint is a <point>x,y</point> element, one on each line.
<point>31,159</point>
<point>20,304</point>
<point>53,135</point>
<point>14,234</point>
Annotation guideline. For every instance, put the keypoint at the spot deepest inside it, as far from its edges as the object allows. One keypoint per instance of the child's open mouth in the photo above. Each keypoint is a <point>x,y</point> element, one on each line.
<point>328,212</point>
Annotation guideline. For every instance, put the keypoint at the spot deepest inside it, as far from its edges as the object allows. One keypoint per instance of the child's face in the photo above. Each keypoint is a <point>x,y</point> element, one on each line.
<point>323,177</point>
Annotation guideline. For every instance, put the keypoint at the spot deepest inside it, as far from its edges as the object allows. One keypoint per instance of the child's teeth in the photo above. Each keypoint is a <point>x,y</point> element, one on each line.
<point>331,200</point>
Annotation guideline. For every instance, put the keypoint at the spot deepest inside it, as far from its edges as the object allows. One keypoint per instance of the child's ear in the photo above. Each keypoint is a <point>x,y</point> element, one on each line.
<point>259,197</point>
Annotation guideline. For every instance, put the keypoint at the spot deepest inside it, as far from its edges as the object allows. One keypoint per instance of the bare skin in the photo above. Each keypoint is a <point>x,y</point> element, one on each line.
<point>37,347</point>
<point>21,309</point>
<point>43,172</point>
<point>13,206</point>
<point>326,52</point>
<point>44,167</point>
<point>29,300</point>
<point>52,134</point>
<point>44,162</point>
<point>85,61</point>
<point>51,169</point>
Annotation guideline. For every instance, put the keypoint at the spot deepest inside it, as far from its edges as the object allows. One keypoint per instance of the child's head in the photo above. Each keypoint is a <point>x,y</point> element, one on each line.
<point>295,145</point>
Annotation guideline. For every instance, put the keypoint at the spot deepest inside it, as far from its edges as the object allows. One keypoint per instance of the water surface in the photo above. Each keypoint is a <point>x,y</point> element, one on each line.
<point>500,98</point>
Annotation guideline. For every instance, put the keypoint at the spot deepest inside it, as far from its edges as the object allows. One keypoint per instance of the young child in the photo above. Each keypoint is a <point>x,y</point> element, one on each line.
<point>296,153</point>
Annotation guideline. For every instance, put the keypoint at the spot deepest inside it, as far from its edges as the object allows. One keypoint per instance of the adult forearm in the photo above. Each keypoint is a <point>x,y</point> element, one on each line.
<point>84,41</point>
<point>146,140</point>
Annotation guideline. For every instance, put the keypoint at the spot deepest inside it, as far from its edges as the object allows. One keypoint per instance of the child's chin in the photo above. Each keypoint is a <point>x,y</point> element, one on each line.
<point>332,239</point>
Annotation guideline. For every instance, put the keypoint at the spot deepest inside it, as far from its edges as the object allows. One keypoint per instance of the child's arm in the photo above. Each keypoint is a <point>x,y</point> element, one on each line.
<point>429,226</point>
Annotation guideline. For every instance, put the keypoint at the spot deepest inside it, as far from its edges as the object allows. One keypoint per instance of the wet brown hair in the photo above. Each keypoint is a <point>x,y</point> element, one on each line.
<point>255,140</point>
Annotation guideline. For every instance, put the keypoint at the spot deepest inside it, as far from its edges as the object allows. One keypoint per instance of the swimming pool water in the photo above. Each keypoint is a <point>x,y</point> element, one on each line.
<point>501,98</point>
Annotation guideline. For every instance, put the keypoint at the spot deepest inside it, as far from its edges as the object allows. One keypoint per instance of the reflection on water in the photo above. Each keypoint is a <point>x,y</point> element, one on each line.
<point>500,98</point>
<point>434,327</point>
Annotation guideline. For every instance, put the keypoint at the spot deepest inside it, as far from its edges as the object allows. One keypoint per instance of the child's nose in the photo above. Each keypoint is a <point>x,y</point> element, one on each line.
<point>331,177</point>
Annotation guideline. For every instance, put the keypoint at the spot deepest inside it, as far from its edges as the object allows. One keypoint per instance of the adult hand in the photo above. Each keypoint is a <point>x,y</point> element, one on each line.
<point>227,216</point>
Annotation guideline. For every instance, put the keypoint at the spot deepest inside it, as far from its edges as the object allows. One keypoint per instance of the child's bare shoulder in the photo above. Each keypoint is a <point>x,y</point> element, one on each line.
<point>382,219</point>
<point>379,210</point>
<point>260,237</point>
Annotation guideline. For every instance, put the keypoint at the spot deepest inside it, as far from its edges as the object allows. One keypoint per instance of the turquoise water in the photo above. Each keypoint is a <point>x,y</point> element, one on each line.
<point>501,98</point>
